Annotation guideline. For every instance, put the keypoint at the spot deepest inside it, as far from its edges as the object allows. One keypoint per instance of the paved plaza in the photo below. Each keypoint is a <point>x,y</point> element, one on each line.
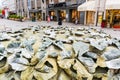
<point>9,24</point>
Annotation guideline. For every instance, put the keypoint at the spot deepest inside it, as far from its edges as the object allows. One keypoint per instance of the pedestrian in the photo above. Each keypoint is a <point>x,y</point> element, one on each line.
<point>60,21</point>
<point>51,18</point>
<point>3,13</point>
<point>76,21</point>
<point>48,18</point>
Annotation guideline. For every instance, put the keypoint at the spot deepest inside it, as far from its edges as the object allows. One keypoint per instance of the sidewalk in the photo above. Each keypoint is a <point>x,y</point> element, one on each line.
<point>18,25</point>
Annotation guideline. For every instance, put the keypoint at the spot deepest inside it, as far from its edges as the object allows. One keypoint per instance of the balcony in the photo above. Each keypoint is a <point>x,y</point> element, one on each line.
<point>74,2</point>
<point>33,5</point>
<point>38,4</point>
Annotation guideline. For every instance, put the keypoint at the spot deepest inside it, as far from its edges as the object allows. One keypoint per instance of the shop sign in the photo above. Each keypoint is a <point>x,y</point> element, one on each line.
<point>51,1</point>
<point>61,0</point>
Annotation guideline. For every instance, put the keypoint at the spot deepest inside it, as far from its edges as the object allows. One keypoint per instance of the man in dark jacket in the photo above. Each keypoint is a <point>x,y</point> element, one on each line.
<point>60,21</point>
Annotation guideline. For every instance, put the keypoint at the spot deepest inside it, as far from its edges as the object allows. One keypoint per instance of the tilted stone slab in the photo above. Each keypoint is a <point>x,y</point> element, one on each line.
<point>113,64</point>
<point>91,55</point>
<point>99,44</point>
<point>88,63</point>
<point>4,36</point>
<point>80,48</point>
<point>59,44</point>
<point>111,54</point>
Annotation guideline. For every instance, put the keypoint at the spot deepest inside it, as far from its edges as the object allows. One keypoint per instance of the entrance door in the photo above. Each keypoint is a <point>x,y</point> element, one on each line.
<point>82,15</point>
<point>70,16</point>
<point>58,15</point>
<point>43,16</point>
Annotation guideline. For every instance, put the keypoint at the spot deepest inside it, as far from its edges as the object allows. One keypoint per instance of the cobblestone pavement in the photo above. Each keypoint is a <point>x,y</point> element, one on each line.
<point>9,24</point>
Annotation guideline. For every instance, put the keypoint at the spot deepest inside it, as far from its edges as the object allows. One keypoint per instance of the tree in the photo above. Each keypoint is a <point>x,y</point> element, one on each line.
<point>0,11</point>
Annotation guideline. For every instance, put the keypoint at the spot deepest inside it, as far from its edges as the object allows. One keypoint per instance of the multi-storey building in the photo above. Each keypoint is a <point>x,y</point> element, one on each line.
<point>8,6</point>
<point>67,9</point>
<point>38,9</point>
<point>30,8</point>
<point>22,8</point>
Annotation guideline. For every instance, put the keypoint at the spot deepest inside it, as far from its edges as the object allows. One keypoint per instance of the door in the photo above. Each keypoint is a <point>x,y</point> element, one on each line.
<point>82,15</point>
<point>43,16</point>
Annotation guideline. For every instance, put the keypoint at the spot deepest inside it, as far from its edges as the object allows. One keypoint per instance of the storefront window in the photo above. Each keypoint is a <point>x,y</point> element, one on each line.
<point>75,15</point>
<point>113,18</point>
<point>90,17</point>
<point>63,15</point>
<point>52,16</point>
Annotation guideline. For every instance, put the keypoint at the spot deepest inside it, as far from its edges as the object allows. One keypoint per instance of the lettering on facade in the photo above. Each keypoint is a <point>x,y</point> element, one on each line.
<point>61,0</point>
<point>51,1</point>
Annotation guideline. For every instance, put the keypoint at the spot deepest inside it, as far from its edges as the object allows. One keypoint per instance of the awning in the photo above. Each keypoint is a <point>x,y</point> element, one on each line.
<point>35,10</point>
<point>90,5</point>
<point>87,6</point>
<point>112,4</point>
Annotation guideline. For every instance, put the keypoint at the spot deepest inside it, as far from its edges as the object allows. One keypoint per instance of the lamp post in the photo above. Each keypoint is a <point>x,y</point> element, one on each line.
<point>97,5</point>
<point>104,16</point>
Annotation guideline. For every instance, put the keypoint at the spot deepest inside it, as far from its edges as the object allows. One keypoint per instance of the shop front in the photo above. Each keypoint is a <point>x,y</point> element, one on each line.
<point>90,17</point>
<point>113,18</point>
<point>74,14</point>
<point>55,14</point>
<point>36,15</point>
<point>52,15</point>
<point>112,9</point>
<point>62,14</point>
<point>65,9</point>
<point>56,10</point>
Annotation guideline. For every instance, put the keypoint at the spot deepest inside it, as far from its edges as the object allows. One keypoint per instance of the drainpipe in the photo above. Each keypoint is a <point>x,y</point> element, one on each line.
<point>97,5</point>
<point>85,17</point>
<point>104,15</point>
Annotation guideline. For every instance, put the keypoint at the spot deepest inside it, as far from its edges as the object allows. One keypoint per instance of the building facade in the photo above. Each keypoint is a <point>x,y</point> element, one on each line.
<point>31,8</point>
<point>67,9</point>
<point>40,9</point>
<point>22,8</point>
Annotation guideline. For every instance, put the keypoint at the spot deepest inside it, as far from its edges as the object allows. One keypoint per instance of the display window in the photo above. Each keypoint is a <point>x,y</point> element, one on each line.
<point>90,17</point>
<point>113,18</point>
<point>52,16</point>
<point>63,14</point>
<point>74,15</point>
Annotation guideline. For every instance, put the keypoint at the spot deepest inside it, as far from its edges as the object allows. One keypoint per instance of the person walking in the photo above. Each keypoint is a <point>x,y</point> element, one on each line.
<point>48,18</point>
<point>60,21</point>
<point>3,13</point>
<point>76,21</point>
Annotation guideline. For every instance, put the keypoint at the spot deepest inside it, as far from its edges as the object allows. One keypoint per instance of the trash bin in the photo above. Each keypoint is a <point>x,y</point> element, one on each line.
<point>103,24</point>
<point>33,19</point>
